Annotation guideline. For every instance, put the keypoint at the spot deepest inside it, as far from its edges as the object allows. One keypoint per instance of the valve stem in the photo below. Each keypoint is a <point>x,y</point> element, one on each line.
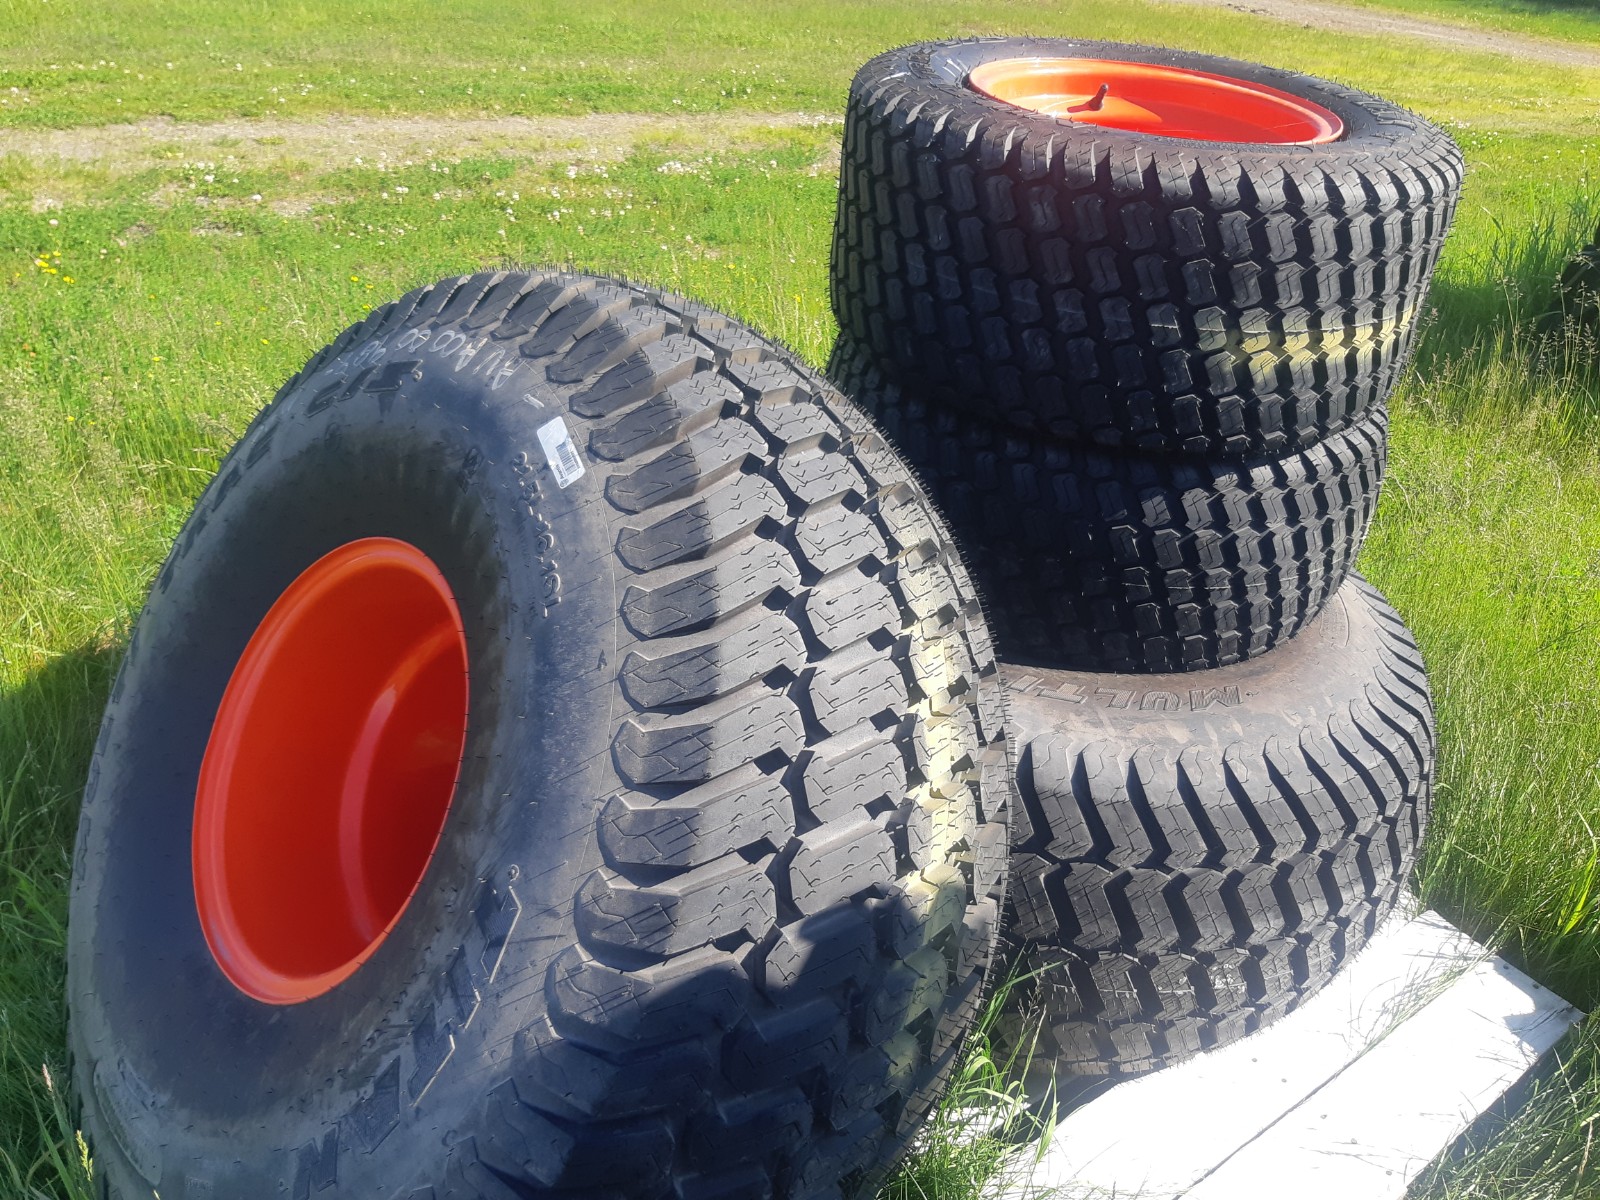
<point>1093,103</point>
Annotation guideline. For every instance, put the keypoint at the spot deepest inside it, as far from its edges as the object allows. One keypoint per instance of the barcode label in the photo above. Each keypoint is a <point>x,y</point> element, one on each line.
<point>559,452</point>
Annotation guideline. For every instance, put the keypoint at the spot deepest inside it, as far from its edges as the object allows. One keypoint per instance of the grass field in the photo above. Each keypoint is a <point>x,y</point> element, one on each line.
<point>156,285</point>
<point>1559,20</point>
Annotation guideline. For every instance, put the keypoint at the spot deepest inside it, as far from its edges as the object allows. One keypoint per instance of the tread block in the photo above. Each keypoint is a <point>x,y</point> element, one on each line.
<point>521,1143</point>
<point>820,952</point>
<point>710,902</point>
<point>671,414</point>
<point>909,989</point>
<point>698,666</point>
<point>847,608</point>
<point>707,741</point>
<point>723,582</point>
<point>990,850</point>
<point>786,1043</point>
<point>574,1082</point>
<point>850,772</point>
<point>839,860</point>
<point>730,812</point>
<point>921,909</point>
<point>860,1085</point>
<point>831,537</point>
<point>606,347</point>
<point>749,1128</point>
<point>617,1010</point>
<point>590,306</point>
<point>815,477</point>
<point>690,466</point>
<point>849,688</point>
<point>701,523</point>
<point>980,931</point>
<point>545,297</point>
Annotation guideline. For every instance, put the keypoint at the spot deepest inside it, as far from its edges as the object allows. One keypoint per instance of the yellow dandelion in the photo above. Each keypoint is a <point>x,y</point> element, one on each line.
<point>264,342</point>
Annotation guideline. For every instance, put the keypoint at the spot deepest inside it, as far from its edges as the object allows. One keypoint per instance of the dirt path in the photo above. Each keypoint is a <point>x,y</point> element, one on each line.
<point>1341,19</point>
<point>599,137</point>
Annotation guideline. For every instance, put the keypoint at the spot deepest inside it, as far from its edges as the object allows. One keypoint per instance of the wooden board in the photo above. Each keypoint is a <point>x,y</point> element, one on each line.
<point>1350,1096</point>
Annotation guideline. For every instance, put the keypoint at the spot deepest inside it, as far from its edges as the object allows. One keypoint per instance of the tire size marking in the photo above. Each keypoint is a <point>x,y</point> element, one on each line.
<point>1145,699</point>
<point>460,353</point>
<point>369,355</point>
<point>544,545</point>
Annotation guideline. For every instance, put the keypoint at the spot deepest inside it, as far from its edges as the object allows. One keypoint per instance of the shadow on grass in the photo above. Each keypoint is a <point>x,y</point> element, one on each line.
<point>48,724</point>
<point>1496,329</point>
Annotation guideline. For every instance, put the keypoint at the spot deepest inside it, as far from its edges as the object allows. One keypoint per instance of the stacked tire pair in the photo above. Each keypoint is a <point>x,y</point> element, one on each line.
<point>562,756</point>
<point>1134,314</point>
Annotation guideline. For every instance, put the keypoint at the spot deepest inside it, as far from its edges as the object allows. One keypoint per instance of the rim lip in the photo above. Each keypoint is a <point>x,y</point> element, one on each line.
<point>226,939</point>
<point>1329,125</point>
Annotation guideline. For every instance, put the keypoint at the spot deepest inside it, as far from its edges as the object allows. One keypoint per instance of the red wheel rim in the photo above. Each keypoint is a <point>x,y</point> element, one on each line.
<point>330,769</point>
<point>1146,98</point>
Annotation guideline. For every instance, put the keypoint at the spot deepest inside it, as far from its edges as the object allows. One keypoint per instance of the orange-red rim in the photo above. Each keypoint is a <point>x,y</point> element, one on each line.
<point>1148,98</point>
<point>331,766</point>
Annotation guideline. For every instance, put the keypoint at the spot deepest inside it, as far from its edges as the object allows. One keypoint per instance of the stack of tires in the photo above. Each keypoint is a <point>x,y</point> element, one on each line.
<point>564,755</point>
<point>1134,315</point>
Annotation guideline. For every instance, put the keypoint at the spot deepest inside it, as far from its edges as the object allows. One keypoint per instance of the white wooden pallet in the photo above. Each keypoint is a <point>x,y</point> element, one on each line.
<point>1348,1098</point>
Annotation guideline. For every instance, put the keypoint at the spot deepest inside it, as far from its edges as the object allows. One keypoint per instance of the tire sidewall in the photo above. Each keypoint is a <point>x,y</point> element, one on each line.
<point>383,439</point>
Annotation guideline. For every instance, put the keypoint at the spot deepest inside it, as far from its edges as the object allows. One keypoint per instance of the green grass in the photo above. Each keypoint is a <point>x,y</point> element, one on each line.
<point>1560,20</point>
<point>93,63</point>
<point>190,299</point>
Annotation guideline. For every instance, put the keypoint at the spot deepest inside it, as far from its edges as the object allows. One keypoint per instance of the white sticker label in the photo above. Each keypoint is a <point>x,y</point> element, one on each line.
<point>560,453</point>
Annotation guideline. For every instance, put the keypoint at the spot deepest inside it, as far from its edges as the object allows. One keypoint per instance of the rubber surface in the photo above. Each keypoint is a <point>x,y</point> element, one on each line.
<point>1126,289</point>
<point>1576,310</point>
<point>1100,560</point>
<point>1201,852</point>
<point>714,903</point>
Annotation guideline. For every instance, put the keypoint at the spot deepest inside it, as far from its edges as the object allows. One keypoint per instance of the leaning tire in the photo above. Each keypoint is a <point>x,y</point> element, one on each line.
<point>1576,311</point>
<point>707,905</point>
<point>1113,561</point>
<point>1201,852</point>
<point>1119,287</point>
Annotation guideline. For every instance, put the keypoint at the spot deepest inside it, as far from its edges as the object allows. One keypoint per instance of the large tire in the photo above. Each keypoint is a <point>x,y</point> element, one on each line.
<point>1113,561</point>
<point>1129,289</point>
<point>715,897</point>
<point>1576,311</point>
<point>1201,852</point>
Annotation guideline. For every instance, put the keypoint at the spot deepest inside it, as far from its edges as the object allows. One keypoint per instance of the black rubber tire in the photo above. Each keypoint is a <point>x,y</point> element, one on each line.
<point>1576,311</point>
<point>1127,289</point>
<point>1114,561</point>
<point>1201,852</point>
<point>716,898</point>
